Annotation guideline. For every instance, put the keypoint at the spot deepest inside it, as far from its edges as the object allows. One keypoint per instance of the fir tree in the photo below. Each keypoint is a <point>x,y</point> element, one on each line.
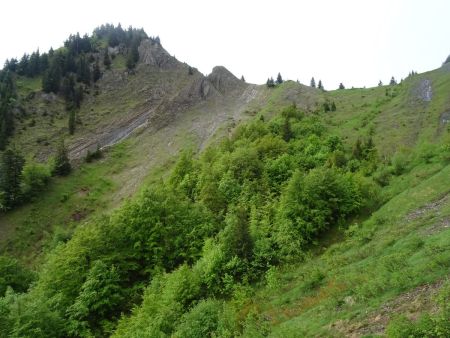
<point>392,82</point>
<point>83,70</point>
<point>52,78</point>
<point>320,85</point>
<point>72,121</point>
<point>242,78</point>
<point>341,86</point>
<point>270,83</point>
<point>287,132</point>
<point>78,95</point>
<point>313,83</point>
<point>34,64</point>
<point>7,102</point>
<point>43,63</point>
<point>22,68</point>
<point>106,59</point>
<point>11,166</point>
<point>68,90</point>
<point>380,84</point>
<point>96,73</point>
<point>333,106</point>
<point>357,151</point>
<point>62,165</point>
<point>279,79</point>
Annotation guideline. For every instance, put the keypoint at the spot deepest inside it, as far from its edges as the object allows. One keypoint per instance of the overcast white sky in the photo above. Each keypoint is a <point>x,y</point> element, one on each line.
<point>356,42</point>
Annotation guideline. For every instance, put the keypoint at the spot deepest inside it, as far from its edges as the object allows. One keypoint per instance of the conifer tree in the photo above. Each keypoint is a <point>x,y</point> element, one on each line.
<point>107,59</point>
<point>52,78</point>
<point>320,85</point>
<point>270,83</point>
<point>96,71</point>
<point>23,65</point>
<point>34,64</point>
<point>7,102</point>
<point>78,95</point>
<point>279,79</point>
<point>287,132</point>
<point>341,86</point>
<point>380,84</point>
<point>333,106</point>
<point>242,78</point>
<point>62,165</point>
<point>392,82</point>
<point>313,83</point>
<point>72,121</point>
<point>83,70</point>
<point>11,166</point>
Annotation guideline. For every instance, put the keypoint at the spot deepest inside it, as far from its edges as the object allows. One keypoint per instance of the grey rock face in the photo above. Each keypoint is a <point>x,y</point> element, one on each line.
<point>152,53</point>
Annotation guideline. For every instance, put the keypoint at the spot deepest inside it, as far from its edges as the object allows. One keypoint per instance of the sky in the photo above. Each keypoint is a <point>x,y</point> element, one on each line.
<point>356,42</point>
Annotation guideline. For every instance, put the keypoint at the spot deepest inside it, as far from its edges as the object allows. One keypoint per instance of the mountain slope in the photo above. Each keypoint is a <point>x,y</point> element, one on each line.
<point>231,209</point>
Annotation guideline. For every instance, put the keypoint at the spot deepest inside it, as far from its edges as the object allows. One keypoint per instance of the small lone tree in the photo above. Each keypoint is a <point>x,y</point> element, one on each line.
<point>62,165</point>
<point>279,79</point>
<point>242,78</point>
<point>320,85</point>
<point>341,86</point>
<point>190,70</point>
<point>393,82</point>
<point>313,83</point>
<point>380,84</point>
<point>333,106</point>
<point>107,59</point>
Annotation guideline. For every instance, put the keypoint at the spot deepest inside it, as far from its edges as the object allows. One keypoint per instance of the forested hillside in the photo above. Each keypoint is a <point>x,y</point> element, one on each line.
<point>277,210</point>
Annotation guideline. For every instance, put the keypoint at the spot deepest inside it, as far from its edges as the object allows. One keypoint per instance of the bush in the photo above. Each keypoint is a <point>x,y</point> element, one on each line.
<point>35,178</point>
<point>312,203</point>
<point>400,162</point>
<point>12,274</point>
<point>200,321</point>
<point>92,156</point>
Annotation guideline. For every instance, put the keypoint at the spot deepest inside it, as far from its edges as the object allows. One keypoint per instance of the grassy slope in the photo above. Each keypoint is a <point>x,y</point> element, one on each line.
<point>403,245</point>
<point>344,290</point>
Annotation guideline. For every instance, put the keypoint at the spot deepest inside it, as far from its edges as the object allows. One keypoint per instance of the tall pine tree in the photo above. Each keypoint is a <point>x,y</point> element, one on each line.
<point>7,102</point>
<point>11,166</point>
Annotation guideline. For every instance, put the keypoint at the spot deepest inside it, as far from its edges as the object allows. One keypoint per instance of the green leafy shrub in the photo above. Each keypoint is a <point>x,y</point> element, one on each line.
<point>35,178</point>
<point>201,321</point>
<point>14,275</point>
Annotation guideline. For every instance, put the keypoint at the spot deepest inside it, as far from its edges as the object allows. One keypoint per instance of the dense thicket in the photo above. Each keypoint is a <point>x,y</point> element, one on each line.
<point>219,222</point>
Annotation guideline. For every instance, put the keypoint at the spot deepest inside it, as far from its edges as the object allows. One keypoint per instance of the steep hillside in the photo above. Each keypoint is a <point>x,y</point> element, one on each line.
<point>155,111</point>
<point>201,205</point>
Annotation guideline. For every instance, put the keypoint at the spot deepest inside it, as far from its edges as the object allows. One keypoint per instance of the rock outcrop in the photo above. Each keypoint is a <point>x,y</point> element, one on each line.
<point>152,53</point>
<point>224,81</point>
